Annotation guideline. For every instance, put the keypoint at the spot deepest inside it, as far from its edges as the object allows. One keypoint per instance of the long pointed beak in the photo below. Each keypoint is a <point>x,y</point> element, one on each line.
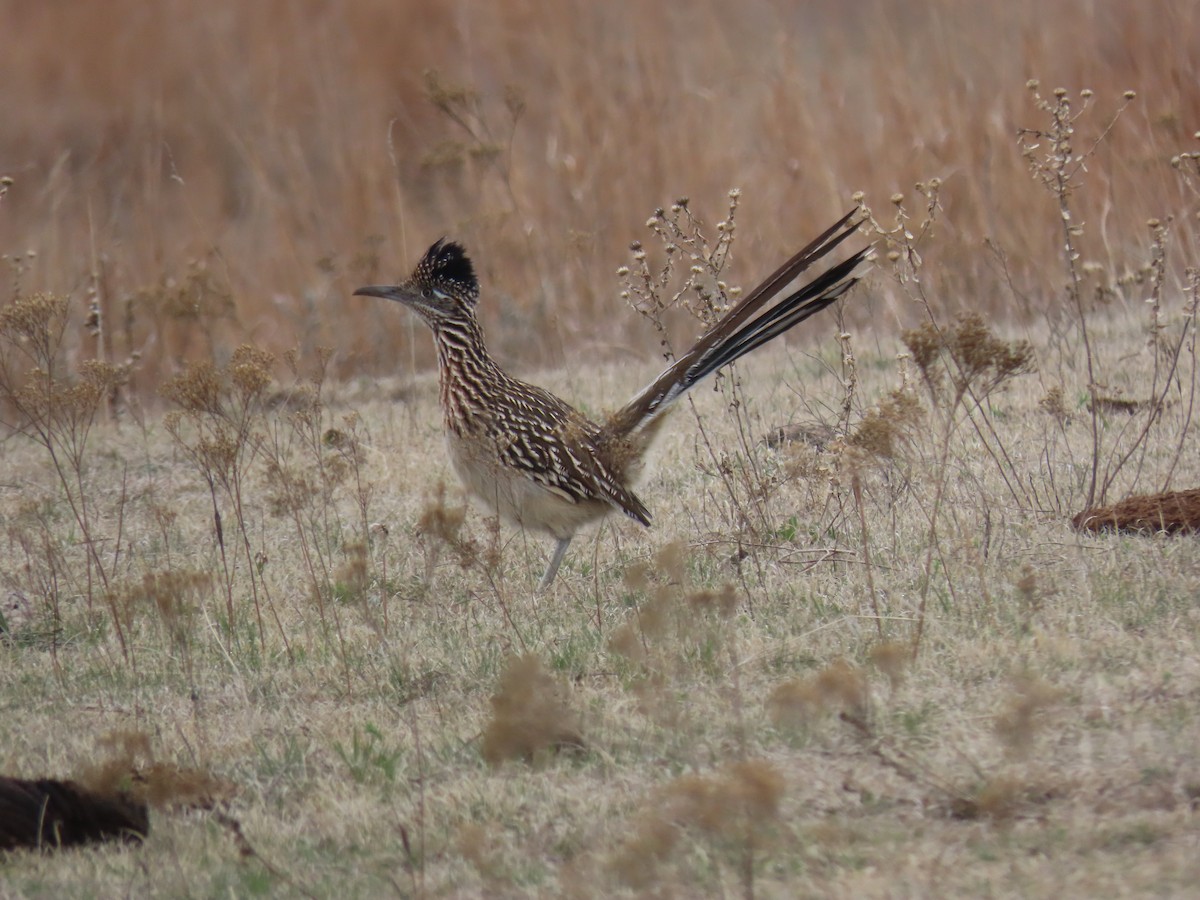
<point>386,291</point>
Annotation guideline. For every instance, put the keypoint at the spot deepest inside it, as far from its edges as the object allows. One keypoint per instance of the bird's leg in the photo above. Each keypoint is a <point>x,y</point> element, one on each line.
<point>560,550</point>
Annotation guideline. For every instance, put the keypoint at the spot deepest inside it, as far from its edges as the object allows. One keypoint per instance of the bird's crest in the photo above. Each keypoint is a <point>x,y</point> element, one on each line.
<point>447,267</point>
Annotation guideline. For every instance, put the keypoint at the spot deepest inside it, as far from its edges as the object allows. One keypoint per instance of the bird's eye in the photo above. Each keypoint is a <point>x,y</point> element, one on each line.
<point>427,293</point>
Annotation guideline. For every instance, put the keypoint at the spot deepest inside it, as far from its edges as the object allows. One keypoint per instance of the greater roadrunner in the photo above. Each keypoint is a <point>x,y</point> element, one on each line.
<point>537,460</point>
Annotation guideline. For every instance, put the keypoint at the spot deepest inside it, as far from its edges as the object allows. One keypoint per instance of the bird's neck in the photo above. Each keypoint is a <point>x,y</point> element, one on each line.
<point>465,368</point>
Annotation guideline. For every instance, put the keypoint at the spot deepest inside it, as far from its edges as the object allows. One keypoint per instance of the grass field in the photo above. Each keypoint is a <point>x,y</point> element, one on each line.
<point>860,653</point>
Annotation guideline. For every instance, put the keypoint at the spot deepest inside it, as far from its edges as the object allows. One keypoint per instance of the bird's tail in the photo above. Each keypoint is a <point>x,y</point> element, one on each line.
<point>750,324</point>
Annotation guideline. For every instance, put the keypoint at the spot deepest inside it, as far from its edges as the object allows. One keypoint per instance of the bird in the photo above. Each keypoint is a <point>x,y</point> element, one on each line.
<point>536,460</point>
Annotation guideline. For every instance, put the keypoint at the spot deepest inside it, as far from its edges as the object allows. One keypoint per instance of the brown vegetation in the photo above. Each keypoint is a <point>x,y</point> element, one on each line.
<point>863,656</point>
<point>1172,512</point>
<point>201,176</point>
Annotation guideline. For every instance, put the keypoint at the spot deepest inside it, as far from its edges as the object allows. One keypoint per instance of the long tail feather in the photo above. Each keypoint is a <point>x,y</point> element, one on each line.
<point>731,338</point>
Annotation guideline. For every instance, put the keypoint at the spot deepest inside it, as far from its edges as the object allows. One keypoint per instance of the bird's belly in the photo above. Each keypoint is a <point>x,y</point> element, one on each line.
<point>514,495</point>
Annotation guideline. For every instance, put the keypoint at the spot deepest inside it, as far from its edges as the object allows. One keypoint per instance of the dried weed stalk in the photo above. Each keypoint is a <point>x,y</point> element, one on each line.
<point>690,278</point>
<point>879,436</point>
<point>530,715</point>
<point>218,426</point>
<point>313,460</point>
<point>964,362</point>
<point>734,811</point>
<point>440,527</point>
<point>678,642</point>
<point>1061,168</point>
<point>125,762</point>
<point>57,410</point>
<point>676,624</point>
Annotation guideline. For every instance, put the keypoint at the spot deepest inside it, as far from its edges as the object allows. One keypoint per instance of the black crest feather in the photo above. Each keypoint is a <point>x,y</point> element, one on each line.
<point>447,263</point>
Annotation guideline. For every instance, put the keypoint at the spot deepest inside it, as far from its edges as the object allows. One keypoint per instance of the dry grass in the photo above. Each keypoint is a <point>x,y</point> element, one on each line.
<point>692,710</point>
<point>861,653</point>
<point>209,175</point>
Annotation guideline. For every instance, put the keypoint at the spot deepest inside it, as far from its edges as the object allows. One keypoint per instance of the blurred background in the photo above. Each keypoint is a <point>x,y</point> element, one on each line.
<point>217,173</point>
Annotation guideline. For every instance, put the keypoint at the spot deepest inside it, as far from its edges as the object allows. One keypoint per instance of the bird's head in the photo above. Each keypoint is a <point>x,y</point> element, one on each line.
<point>442,287</point>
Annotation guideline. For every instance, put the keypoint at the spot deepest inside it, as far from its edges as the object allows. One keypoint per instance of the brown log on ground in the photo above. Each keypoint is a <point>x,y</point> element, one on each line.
<point>1173,512</point>
<point>47,813</point>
